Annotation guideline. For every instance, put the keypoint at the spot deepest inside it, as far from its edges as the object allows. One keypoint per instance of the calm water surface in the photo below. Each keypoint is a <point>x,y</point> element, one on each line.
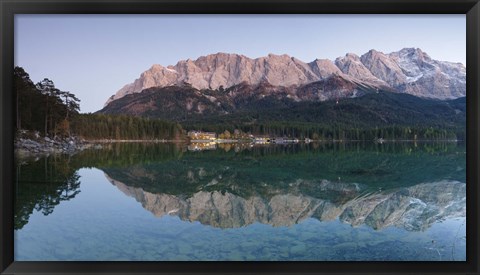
<point>344,201</point>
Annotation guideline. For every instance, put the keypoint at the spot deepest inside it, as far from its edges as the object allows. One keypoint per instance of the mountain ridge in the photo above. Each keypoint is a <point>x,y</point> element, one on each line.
<point>409,70</point>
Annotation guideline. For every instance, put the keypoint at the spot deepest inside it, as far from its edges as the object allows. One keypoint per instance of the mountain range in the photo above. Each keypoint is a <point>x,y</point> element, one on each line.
<point>214,92</point>
<point>409,70</point>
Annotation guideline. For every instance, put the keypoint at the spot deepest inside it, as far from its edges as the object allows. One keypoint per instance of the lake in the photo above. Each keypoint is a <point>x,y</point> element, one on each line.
<point>195,202</point>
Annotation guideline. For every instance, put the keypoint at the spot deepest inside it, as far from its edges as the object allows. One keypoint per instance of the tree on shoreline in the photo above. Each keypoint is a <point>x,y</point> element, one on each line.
<point>23,85</point>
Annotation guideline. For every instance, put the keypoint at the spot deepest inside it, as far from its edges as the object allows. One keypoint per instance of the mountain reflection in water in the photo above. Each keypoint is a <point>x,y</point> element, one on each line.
<point>234,187</point>
<point>244,197</point>
<point>414,208</point>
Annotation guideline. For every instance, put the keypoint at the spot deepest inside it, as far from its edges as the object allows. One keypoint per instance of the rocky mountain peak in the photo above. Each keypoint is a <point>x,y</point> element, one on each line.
<point>373,54</point>
<point>384,68</point>
<point>414,52</point>
<point>279,56</point>
<point>351,56</point>
<point>352,65</point>
<point>324,68</point>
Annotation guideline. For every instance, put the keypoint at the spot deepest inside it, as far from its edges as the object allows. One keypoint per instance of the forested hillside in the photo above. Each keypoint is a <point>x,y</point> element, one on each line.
<point>383,115</point>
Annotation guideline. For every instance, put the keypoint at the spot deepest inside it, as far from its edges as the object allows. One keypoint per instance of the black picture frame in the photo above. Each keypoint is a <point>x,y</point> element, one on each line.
<point>8,8</point>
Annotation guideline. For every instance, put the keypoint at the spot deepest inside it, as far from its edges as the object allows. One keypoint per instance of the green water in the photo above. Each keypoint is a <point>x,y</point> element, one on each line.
<point>317,201</point>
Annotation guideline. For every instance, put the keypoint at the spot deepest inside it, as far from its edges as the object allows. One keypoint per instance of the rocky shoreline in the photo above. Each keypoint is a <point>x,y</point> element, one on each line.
<point>28,146</point>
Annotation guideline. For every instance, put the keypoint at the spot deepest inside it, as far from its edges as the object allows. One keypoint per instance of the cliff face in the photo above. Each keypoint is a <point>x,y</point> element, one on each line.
<point>408,71</point>
<point>414,208</point>
<point>227,70</point>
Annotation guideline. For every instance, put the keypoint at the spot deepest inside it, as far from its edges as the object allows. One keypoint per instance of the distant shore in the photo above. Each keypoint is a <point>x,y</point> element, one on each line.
<point>39,146</point>
<point>96,141</point>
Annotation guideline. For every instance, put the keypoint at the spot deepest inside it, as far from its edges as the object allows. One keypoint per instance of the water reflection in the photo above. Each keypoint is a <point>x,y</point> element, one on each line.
<point>414,208</point>
<point>41,185</point>
<point>324,180</point>
<point>317,201</point>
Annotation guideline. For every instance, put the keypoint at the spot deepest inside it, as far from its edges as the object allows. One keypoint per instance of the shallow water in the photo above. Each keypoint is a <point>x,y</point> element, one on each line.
<point>322,202</point>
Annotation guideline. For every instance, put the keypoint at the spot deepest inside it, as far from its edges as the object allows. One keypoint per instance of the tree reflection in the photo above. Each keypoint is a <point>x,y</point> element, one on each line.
<point>42,184</point>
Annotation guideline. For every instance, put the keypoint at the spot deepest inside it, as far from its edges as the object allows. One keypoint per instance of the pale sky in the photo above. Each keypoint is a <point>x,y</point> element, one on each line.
<point>93,56</point>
